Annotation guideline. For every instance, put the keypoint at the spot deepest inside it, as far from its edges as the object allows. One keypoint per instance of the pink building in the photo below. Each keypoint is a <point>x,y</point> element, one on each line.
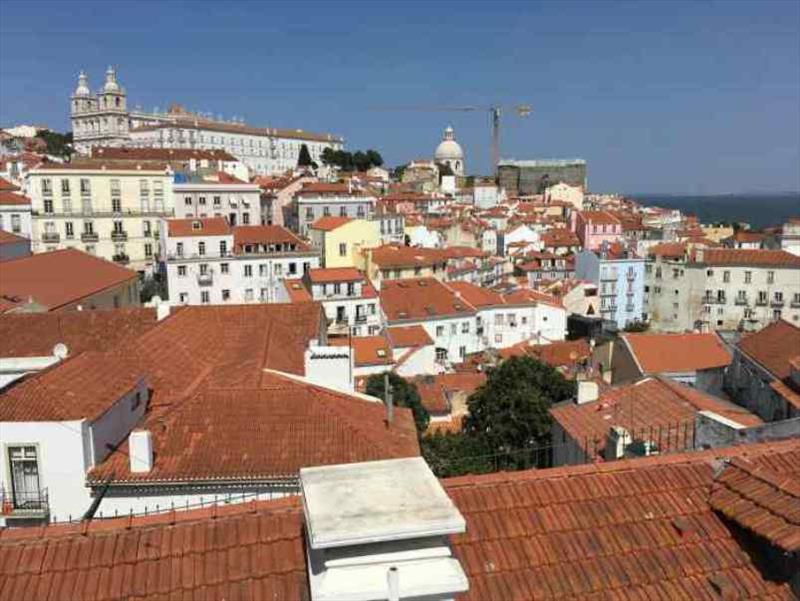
<point>595,227</point>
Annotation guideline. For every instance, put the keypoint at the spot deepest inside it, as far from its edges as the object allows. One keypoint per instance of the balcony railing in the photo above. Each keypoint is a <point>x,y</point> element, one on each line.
<point>121,258</point>
<point>33,504</point>
<point>761,302</point>
<point>795,303</point>
<point>205,279</point>
<point>740,300</point>
<point>119,236</point>
<point>51,237</point>
<point>361,319</point>
<point>776,303</point>
<point>90,237</point>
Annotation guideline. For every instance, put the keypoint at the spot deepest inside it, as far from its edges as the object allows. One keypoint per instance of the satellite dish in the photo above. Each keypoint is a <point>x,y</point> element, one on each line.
<point>60,351</point>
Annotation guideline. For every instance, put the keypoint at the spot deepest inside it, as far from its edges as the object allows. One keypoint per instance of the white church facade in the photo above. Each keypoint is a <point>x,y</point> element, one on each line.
<point>104,119</point>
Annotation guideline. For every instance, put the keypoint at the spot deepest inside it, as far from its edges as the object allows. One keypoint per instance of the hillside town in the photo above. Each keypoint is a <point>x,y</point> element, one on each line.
<point>241,361</point>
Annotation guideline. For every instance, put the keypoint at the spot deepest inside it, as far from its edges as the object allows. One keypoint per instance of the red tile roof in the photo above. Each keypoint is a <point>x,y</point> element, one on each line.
<point>635,529</point>
<point>524,296</point>
<point>559,354</point>
<point>81,387</point>
<point>61,277</point>
<point>773,347</point>
<point>421,298</point>
<point>330,223</point>
<point>250,549</point>
<point>202,226</point>
<point>436,391</point>
<point>670,250</point>
<point>334,274</point>
<point>11,198</point>
<point>264,433</point>
<point>599,217</point>
<point>391,256</point>
<point>746,257</point>
<point>160,154</point>
<point>656,409</point>
<point>408,336</point>
<point>35,334</point>
<point>559,237</point>
<point>297,291</point>
<point>266,234</point>
<point>675,353</point>
<point>475,295</point>
<point>761,500</point>
<point>7,186</point>
<point>9,238</point>
<point>102,165</point>
<point>367,350</point>
<point>338,188</point>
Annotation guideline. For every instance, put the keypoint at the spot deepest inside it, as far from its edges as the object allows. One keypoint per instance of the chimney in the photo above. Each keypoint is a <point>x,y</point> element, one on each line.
<point>588,391</point>
<point>617,440</point>
<point>162,311</point>
<point>699,255</point>
<point>368,523</point>
<point>140,451</point>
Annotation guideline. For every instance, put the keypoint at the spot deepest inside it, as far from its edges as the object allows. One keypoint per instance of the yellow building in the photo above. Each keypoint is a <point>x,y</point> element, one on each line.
<point>341,239</point>
<point>717,233</point>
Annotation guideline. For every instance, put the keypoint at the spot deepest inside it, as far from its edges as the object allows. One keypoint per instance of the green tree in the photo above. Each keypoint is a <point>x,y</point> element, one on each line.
<point>304,158</point>
<point>510,412</point>
<point>328,156</point>
<point>375,158</point>
<point>152,286</point>
<point>397,172</point>
<point>360,161</point>
<point>456,454</point>
<point>404,394</point>
<point>57,144</point>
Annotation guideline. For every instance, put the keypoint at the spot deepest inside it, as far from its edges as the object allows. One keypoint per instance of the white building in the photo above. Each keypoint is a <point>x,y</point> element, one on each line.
<point>104,119</point>
<point>449,152</point>
<point>220,195</point>
<point>316,200</point>
<point>350,301</point>
<point>206,261</point>
<point>790,237</point>
<point>15,212</point>
<point>563,192</point>
<point>101,208</point>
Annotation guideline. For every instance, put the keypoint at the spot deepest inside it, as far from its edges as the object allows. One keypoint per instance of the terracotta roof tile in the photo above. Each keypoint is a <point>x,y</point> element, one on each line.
<point>421,298</point>
<point>11,198</point>
<point>745,256</point>
<point>761,500</point>
<point>266,432</point>
<point>330,223</point>
<point>334,274</point>
<point>435,391</point>
<point>202,226</point>
<point>160,154</point>
<point>264,235</point>
<point>35,334</point>
<point>408,336</point>
<point>675,353</point>
<point>297,291</point>
<point>599,217</point>
<point>558,354</point>
<point>773,347</point>
<point>391,256</point>
<point>7,186</point>
<point>9,238</point>
<point>61,277</point>
<point>367,350</point>
<point>475,295</point>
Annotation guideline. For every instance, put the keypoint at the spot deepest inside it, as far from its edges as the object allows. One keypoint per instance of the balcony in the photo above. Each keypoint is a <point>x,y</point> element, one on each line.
<point>761,302</point>
<point>51,237</point>
<point>121,258</point>
<point>119,236</point>
<point>89,237</point>
<point>741,301</point>
<point>24,505</point>
<point>795,304</point>
<point>361,319</point>
<point>205,279</point>
<point>776,303</point>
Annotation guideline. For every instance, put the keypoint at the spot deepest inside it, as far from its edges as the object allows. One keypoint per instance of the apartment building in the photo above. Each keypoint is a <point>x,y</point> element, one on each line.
<point>103,209</point>
<point>350,302</point>
<point>396,262</point>
<point>207,261</point>
<point>593,228</point>
<point>15,210</point>
<point>619,276</point>
<point>721,289</point>
<point>340,240</point>
<point>316,200</point>
<point>217,195</point>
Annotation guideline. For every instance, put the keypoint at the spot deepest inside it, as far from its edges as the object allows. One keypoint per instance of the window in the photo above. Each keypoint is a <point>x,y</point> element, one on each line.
<point>360,212</point>
<point>205,297</point>
<point>24,467</point>
<point>116,205</point>
<point>158,188</point>
<point>182,271</point>
<point>48,205</point>
<point>462,351</point>
<point>776,314</point>
<point>453,329</point>
<point>343,249</point>
<point>326,211</point>
<point>115,188</point>
<point>726,276</point>
<point>245,218</point>
<point>148,250</point>
<point>118,227</point>
<point>47,186</point>
<point>65,187</point>
<point>748,277</point>
<point>86,186</point>
<point>136,401</point>
<point>201,200</point>
<point>144,188</point>
<point>16,225</point>
<point>309,213</point>
<point>224,268</point>
<point>292,268</point>
<point>217,201</point>
<point>201,248</point>
<point>465,327</point>
<point>88,227</point>
<point>187,200</point>
<point>779,297</point>
<point>226,295</point>
<point>248,294</point>
<point>770,277</point>
<point>441,354</point>
<point>439,331</point>
<point>223,248</point>
<point>248,272</point>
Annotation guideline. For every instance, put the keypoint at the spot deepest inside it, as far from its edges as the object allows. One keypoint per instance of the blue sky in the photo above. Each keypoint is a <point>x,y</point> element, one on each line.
<point>677,97</point>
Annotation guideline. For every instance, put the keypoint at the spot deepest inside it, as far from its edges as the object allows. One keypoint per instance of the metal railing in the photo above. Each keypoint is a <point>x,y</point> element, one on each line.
<point>24,504</point>
<point>90,237</point>
<point>119,236</point>
<point>51,237</point>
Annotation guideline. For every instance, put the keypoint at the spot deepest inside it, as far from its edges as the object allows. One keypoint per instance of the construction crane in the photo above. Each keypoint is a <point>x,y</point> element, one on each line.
<point>522,110</point>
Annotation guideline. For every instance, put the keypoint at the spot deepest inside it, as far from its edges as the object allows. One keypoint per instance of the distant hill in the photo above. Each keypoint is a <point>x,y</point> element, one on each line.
<point>759,210</point>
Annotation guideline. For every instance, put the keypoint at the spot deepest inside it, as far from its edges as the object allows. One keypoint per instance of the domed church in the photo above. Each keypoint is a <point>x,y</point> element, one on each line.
<point>449,152</point>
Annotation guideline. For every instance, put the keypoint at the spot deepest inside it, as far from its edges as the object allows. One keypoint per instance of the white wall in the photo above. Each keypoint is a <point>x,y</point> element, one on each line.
<point>421,362</point>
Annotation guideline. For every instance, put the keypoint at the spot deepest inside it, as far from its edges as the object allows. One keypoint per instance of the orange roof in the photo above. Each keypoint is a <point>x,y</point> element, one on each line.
<point>104,165</point>
<point>761,500</point>
<point>675,353</point>
<point>524,296</point>
<point>82,387</point>
<point>559,354</point>
<point>35,334</point>
<point>125,153</point>
<point>265,235</point>
<point>421,298</point>
<point>657,409</point>
<point>323,275</point>
<point>773,347</point>
<point>408,336</point>
<point>435,391</point>
<point>391,256</point>
<point>367,350</point>
<point>749,256</point>
<point>7,186</point>
<point>558,237</point>
<point>10,198</point>
<point>599,217</point>
<point>475,295</point>
<point>201,226</point>
<point>338,188</point>
<point>9,238</point>
<point>330,223</point>
<point>267,432</point>
<point>672,250</point>
<point>297,292</point>
<point>61,277</point>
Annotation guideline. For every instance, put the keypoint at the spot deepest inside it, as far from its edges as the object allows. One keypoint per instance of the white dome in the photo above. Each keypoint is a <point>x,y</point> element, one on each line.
<point>83,86</point>
<point>449,149</point>
<point>111,84</point>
